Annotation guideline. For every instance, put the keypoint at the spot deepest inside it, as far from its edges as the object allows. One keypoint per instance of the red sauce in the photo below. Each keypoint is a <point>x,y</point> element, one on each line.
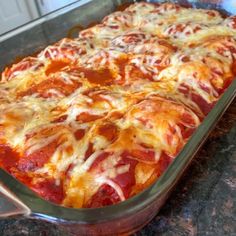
<point>66,173</point>
<point>185,59</point>
<point>227,83</point>
<point>122,62</point>
<point>8,157</point>
<point>105,196</point>
<point>186,132</point>
<point>55,66</point>
<point>9,162</point>
<point>116,115</point>
<point>60,119</point>
<point>98,160</point>
<point>204,106</point>
<point>49,190</point>
<point>126,180</point>
<point>44,89</point>
<point>25,178</point>
<point>87,117</point>
<point>136,73</point>
<point>170,135</point>
<point>101,77</point>
<point>109,131</point>
<point>38,158</point>
<point>79,134</point>
<point>234,67</point>
<point>143,154</point>
<point>163,163</point>
<point>188,119</point>
<point>89,151</point>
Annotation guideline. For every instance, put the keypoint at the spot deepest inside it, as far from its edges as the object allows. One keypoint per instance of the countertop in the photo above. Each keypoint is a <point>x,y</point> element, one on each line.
<point>203,203</point>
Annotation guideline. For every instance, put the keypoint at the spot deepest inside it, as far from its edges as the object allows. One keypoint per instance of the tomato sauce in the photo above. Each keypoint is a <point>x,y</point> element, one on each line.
<point>44,89</point>
<point>142,154</point>
<point>60,119</point>
<point>35,160</point>
<point>204,106</point>
<point>126,181</point>
<point>163,163</point>
<point>100,77</point>
<point>87,117</point>
<point>9,161</point>
<point>55,66</point>
<point>89,151</point>
<point>8,157</point>
<point>79,134</point>
<point>49,190</point>
<point>98,160</point>
<point>109,131</point>
<point>105,196</point>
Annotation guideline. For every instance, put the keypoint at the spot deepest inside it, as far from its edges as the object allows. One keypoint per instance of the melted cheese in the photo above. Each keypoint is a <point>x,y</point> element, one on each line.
<point>90,111</point>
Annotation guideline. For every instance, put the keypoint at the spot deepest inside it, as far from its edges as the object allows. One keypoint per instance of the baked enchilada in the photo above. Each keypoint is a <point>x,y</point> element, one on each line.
<point>94,120</point>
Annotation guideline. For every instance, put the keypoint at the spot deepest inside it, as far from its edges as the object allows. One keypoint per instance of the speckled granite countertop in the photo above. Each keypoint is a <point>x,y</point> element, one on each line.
<point>204,202</point>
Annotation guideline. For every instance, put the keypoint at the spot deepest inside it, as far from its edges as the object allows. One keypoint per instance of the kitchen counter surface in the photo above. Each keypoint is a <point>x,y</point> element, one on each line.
<point>203,203</point>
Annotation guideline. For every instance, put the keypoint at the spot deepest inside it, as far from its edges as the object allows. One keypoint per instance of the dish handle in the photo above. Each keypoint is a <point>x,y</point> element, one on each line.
<point>10,205</point>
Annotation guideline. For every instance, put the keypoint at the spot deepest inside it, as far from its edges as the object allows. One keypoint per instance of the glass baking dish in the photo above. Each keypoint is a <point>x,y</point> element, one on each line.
<point>132,214</point>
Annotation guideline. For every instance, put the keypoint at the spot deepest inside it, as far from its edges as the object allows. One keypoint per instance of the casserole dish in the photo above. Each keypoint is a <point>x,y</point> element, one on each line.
<point>144,205</point>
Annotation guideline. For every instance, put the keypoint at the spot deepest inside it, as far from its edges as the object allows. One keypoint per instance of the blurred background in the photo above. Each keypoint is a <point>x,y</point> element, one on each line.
<point>14,13</point>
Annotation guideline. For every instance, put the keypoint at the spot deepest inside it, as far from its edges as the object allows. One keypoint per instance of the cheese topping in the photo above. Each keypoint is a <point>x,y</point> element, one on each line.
<point>91,121</point>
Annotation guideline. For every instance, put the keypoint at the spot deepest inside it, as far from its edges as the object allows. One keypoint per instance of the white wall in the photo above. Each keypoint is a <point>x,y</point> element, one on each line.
<point>14,13</point>
<point>46,6</point>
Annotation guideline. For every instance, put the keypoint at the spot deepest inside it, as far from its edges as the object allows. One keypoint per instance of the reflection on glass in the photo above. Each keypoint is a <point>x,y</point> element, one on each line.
<point>14,13</point>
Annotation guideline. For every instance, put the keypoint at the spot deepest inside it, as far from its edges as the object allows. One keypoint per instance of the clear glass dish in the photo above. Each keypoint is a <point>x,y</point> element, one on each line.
<point>132,214</point>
